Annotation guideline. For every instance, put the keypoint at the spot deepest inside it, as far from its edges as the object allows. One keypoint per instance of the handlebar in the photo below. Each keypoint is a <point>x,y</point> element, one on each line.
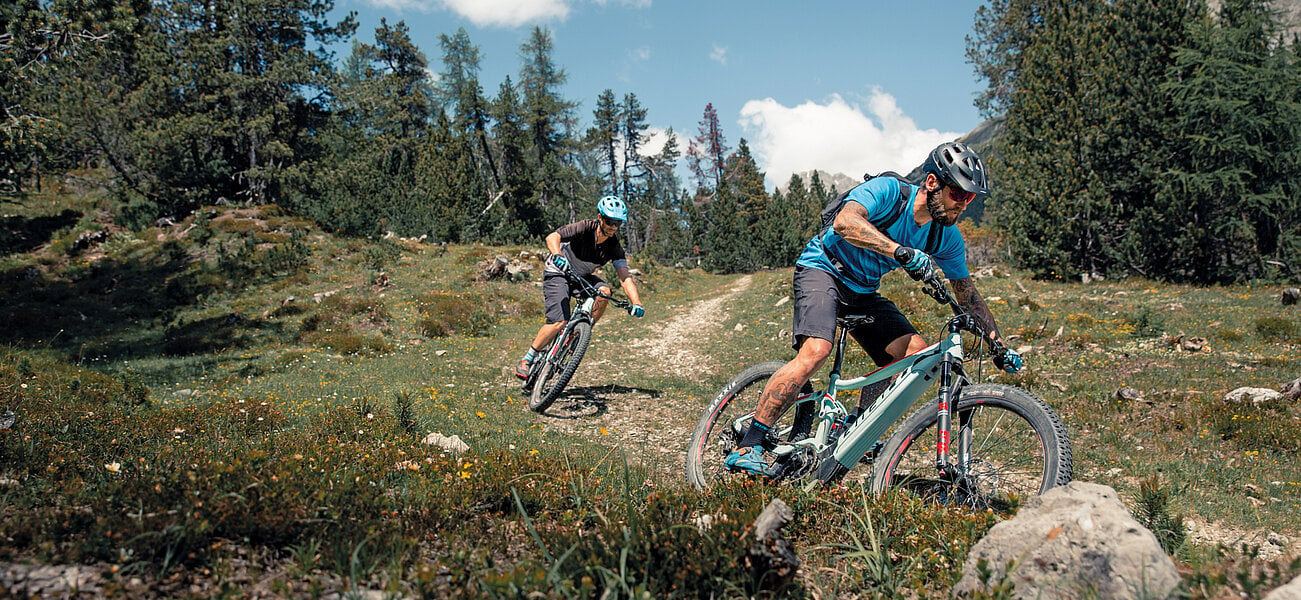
<point>936,287</point>
<point>587,289</point>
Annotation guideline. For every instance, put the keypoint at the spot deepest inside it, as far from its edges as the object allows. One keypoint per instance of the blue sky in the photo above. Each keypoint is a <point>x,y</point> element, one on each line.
<point>844,86</point>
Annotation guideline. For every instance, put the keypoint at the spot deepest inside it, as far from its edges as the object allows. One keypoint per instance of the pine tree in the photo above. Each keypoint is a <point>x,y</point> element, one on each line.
<point>36,42</point>
<point>706,154</point>
<point>668,237</point>
<point>632,128</point>
<point>221,100</point>
<point>633,171</point>
<point>1078,134</point>
<point>548,116</point>
<point>727,246</point>
<point>405,83</point>
<point>559,187</point>
<point>1227,211</point>
<point>1003,29</point>
<point>604,136</point>
<point>380,123</point>
<point>459,91</point>
<point>517,194</point>
<point>447,184</point>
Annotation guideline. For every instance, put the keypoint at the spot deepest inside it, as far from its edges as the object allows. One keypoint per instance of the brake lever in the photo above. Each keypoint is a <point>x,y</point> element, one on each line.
<point>936,290</point>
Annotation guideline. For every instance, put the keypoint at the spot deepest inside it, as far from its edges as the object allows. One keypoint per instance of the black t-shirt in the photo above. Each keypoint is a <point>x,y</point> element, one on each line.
<point>578,244</point>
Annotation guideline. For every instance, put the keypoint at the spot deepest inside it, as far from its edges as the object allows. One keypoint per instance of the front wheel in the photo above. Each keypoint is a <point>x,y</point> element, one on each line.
<point>556,372</point>
<point>725,421</point>
<point>1016,447</point>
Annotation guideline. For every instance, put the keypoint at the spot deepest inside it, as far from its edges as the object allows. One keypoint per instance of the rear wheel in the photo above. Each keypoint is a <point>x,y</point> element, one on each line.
<point>1018,448</point>
<point>728,416</point>
<point>556,373</point>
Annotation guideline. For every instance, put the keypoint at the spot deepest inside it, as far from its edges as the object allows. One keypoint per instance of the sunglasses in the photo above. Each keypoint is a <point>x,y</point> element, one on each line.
<point>960,195</point>
<point>608,222</point>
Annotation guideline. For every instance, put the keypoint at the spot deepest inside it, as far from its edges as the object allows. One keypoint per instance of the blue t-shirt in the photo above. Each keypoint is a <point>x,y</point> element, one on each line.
<point>879,196</point>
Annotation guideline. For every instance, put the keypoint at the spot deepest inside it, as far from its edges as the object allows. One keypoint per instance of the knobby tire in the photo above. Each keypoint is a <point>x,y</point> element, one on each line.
<point>1019,449</point>
<point>555,375</point>
<point>714,439</point>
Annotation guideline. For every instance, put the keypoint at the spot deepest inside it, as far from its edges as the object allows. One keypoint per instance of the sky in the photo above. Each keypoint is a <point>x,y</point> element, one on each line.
<point>847,86</point>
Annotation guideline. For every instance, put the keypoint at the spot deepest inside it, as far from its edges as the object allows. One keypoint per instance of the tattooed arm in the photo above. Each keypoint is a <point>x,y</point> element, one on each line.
<point>852,224</point>
<point>964,291</point>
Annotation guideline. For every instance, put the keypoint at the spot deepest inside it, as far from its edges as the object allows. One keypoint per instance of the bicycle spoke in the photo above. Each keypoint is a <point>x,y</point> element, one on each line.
<point>1007,448</point>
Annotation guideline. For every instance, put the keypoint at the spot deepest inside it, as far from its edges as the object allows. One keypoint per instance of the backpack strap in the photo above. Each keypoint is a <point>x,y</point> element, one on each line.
<point>883,223</point>
<point>934,238</point>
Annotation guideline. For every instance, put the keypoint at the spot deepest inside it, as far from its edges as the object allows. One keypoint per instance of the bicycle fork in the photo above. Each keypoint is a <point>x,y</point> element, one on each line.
<point>952,381</point>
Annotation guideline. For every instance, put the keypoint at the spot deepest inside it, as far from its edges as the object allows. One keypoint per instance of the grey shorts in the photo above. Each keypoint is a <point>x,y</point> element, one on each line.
<point>556,292</point>
<point>820,298</point>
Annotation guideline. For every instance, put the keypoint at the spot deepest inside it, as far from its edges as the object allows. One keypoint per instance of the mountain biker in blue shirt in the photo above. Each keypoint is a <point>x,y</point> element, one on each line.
<point>841,268</point>
<point>580,248</point>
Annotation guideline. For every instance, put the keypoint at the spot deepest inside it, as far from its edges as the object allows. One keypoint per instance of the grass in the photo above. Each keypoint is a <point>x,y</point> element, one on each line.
<point>255,392</point>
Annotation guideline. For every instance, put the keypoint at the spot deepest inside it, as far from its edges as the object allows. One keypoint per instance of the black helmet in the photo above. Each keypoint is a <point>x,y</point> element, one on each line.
<point>957,165</point>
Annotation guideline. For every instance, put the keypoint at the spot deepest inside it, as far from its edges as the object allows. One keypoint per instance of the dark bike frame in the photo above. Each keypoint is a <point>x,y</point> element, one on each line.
<point>586,293</point>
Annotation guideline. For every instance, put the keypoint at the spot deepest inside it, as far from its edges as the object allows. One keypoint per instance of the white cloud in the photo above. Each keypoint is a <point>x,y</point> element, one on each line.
<point>640,54</point>
<point>654,141</point>
<point>719,55</point>
<point>836,136</point>
<point>507,13</point>
<point>405,5</point>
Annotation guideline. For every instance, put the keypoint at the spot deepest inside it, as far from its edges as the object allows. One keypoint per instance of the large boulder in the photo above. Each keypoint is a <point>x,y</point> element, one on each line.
<point>1288,591</point>
<point>1075,541</point>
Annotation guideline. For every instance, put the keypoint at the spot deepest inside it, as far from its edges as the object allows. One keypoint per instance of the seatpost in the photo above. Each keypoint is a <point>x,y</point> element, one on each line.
<point>834,375</point>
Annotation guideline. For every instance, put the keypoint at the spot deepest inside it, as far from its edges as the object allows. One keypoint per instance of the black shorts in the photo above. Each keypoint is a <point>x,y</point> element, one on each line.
<point>820,298</point>
<point>556,292</point>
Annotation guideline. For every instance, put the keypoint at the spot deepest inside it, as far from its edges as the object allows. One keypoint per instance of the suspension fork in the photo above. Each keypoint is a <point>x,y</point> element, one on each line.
<point>951,383</point>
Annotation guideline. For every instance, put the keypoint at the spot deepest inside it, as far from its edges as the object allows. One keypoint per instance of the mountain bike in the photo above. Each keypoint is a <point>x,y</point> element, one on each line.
<point>1004,444</point>
<point>552,371</point>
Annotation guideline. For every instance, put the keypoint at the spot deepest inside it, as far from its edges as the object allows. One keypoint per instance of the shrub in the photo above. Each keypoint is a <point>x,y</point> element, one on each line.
<point>349,343</point>
<point>1147,323</point>
<point>1276,329</point>
<point>381,254</point>
<point>1153,512</point>
<point>442,314</point>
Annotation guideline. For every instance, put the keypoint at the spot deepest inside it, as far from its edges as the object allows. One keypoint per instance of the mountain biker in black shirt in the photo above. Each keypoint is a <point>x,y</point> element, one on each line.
<point>580,248</point>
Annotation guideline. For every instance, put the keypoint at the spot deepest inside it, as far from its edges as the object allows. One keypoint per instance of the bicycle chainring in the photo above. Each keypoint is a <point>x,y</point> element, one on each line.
<point>794,466</point>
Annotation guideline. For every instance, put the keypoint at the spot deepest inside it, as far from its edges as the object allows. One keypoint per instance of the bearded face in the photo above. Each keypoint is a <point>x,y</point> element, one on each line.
<point>939,213</point>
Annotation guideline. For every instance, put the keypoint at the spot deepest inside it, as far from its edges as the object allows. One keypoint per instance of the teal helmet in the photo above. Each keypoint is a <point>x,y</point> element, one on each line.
<point>611,207</point>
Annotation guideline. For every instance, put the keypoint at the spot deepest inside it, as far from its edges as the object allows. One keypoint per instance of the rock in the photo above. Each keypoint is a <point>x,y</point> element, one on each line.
<point>1253,395</point>
<point>500,267</point>
<point>1075,541</point>
<point>1290,296</point>
<point>1128,394</point>
<point>1289,591</point>
<point>51,581</point>
<point>452,444</point>
<point>771,559</point>
<point>1291,390</point>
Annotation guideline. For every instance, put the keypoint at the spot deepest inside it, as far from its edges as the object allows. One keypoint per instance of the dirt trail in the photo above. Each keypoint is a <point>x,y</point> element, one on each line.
<point>677,347</point>
<point>653,428</point>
